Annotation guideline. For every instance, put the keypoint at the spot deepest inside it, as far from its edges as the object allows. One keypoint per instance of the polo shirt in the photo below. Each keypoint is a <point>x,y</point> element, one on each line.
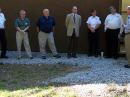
<point>22,24</point>
<point>46,24</point>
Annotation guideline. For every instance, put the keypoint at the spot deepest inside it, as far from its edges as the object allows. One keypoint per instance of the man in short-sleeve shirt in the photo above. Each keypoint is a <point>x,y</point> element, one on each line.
<point>93,24</point>
<point>22,25</point>
<point>45,29</point>
<point>3,40</point>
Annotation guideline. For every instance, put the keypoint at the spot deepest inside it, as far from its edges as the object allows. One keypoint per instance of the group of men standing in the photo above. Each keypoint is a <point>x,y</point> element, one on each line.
<point>114,27</point>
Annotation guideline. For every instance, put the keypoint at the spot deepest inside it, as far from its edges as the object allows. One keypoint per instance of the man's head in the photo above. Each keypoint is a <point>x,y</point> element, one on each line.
<point>46,12</point>
<point>74,9</point>
<point>112,10</point>
<point>128,10</point>
<point>22,14</point>
<point>93,12</point>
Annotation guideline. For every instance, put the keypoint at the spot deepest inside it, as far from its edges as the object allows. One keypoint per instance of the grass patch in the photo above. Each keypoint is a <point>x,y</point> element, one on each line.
<point>23,80</point>
<point>40,92</point>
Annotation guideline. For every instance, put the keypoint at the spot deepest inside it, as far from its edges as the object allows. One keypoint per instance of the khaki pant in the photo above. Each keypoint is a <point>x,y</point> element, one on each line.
<point>127,47</point>
<point>21,37</point>
<point>43,39</point>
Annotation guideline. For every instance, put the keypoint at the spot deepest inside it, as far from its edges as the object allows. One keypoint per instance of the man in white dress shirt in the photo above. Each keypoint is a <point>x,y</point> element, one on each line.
<point>113,27</point>
<point>93,24</point>
<point>127,37</point>
<point>3,40</point>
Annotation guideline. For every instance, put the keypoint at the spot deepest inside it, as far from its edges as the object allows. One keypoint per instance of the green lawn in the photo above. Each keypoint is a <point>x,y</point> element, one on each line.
<point>25,80</point>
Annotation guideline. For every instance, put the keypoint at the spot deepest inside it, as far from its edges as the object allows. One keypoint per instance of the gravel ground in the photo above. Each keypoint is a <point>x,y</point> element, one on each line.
<point>102,70</point>
<point>102,73</point>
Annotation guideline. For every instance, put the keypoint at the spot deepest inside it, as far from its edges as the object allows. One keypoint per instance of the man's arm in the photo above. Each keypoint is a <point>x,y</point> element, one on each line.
<point>97,26</point>
<point>90,28</point>
<point>16,26</point>
<point>38,25</point>
<point>105,24</point>
<point>18,29</point>
<point>99,23</point>
<point>80,21</point>
<point>38,30</point>
<point>54,29</point>
<point>122,25</point>
<point>26,29</point>
<point>54,24</point>
<point>67,20</point>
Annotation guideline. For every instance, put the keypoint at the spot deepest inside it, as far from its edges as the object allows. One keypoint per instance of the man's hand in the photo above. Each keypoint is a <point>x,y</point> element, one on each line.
<point>23,31</point>
<point>125,26</point>
<point>92,29</point>
<point>37,29</point>
<point>119,36</point>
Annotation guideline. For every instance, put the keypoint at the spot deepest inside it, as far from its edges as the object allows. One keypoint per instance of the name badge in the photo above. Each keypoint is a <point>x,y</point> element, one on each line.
<point>26,24</point>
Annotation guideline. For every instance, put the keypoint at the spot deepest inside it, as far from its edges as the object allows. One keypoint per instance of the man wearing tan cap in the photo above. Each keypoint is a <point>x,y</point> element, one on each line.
<point>127,37</point>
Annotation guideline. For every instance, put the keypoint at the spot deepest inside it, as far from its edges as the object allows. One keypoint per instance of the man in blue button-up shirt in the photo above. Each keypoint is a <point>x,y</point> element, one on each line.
<point>46,24</point>
<point>127,37</point>
<point>45,28</point>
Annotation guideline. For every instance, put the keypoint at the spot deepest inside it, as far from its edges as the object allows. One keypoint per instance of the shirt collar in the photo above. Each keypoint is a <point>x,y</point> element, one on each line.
<point>45,17</point>
<point>21,19</point>
<point>114,14</point>
<point>74,13</point>
<point>93,16</point>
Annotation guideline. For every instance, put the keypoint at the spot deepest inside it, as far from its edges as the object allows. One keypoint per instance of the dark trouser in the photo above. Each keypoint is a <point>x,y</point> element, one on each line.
<point>93,39</point>
<point>72,44</point>
<point>112,43</point>
<point>3,42</point>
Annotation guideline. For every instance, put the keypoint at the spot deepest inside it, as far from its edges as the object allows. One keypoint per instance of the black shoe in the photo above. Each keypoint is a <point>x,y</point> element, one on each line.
<point>115,57</point>
<point>1,64</point>
<point>31,57</point>
<point>127,66</point>
<point>5,57</point>
<point>74,56</point>
<point>108,57</point>
<point>57,56</point>
<point>19,58</point>
<point>89,55</point>
<point>69,56</point>
<point>96,56</point>
<point>43,57</point>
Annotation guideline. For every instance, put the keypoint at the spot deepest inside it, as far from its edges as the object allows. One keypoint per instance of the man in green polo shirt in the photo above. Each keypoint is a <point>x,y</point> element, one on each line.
<point>22,25</point>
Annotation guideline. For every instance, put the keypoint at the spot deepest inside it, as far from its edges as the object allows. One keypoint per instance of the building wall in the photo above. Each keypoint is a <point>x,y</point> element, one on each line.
<point>59,9</point>
<point>125,3</point>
